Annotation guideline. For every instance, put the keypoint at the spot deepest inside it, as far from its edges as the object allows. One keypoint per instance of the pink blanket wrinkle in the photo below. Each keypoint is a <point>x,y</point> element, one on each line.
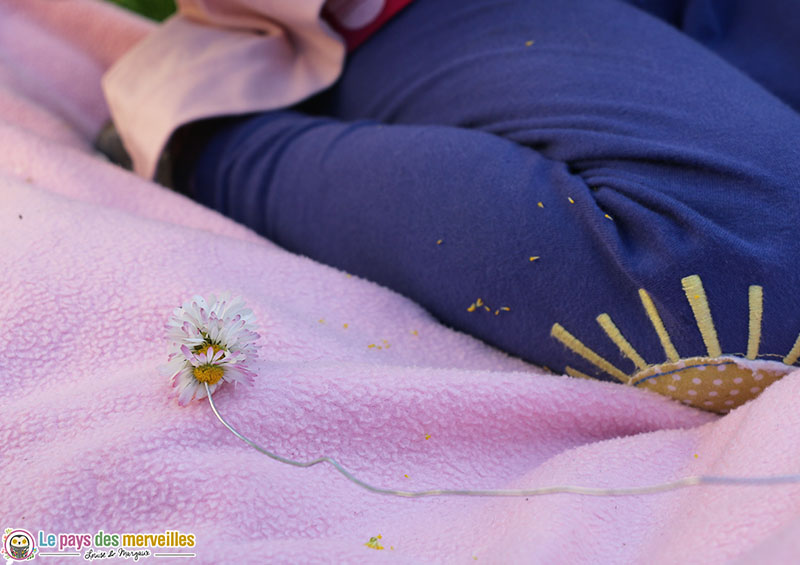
<point>93,439</point>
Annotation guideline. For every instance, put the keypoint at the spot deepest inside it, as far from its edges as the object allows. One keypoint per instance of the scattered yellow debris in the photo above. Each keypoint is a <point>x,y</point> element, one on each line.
<point>427,436</point>
<point>529,43</point>
<point>479,302</point>
<point>344,326</point>
<point>438,242</point>
<point>321,320</point>
<point>540,205</point>
<point>374,543</point>
<point>533,258</point>
<point>571,201</point>
<point>414,332</point>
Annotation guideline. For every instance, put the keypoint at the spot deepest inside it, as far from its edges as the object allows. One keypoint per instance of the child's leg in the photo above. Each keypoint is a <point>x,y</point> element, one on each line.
<point>760,38</point>
<point>443,215</point>
<point>652,159</point>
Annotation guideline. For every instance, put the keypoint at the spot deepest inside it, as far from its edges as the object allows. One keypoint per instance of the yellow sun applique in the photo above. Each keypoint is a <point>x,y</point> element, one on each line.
<point>717,382</point>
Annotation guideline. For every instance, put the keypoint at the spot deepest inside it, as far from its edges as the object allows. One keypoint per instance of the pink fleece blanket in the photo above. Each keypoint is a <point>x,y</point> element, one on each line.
<point>94,260</point>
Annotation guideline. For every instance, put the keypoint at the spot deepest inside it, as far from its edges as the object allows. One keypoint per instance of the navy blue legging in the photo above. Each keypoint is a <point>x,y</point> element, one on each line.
<point>552,159</point>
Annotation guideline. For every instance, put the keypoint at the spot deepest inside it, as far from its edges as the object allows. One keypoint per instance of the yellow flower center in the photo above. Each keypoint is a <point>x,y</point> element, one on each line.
<point>210,374</point>
<point>203,348</point>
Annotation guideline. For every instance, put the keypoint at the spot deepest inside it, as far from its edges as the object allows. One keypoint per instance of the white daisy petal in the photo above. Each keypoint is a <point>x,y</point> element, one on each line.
<point>185,396</point>
<point>186,352</point>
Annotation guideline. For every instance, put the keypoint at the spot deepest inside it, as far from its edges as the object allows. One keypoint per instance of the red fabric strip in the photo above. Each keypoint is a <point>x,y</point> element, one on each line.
<point>355,37</point>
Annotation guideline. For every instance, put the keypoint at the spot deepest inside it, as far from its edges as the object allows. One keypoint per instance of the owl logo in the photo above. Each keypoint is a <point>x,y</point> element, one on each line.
<point>18,545</point>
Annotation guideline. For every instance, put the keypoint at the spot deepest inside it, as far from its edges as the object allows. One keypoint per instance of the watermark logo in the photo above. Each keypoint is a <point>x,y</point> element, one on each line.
<point>22,545</point>
<point>18,545</point>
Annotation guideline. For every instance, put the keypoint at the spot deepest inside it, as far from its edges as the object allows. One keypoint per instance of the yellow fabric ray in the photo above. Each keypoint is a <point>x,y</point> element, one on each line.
<point>577,374</point>
<point>693,287</point>
<point>655,319</point>
<point>794,353</point>
<point>756,296</point>
<point>624,345</point>
<point>575,345</point>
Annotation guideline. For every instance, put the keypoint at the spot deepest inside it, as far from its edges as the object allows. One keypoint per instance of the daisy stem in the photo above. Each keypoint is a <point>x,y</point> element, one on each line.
<point>696,480</point>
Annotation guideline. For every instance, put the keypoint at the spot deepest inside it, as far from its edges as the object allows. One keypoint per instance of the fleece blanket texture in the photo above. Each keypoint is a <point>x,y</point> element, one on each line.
<point>94,261</point>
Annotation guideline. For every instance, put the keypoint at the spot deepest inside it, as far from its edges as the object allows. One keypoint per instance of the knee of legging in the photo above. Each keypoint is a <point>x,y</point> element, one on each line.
<point>696,300</point>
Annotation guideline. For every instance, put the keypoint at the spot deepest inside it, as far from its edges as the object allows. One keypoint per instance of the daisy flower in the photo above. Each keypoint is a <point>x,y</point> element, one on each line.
<point>211,341</point>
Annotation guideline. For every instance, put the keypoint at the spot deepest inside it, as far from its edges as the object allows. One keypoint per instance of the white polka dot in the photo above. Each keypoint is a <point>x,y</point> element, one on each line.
<point>734,392</point>
<point>720,368</point>
<point>651,382</point>
<point>692,392</point>
<point>696,381</point>
<point>680,364</point>
<point>717,382</point>
<point>728,402</point>
<point>672,388</point>
<point>707,403</point>
<point>701,368</point>
<point>758,377</point>
<point>713,393</point>
<point>676,377</point>
<point>737,380</point>
<point>755,389</point>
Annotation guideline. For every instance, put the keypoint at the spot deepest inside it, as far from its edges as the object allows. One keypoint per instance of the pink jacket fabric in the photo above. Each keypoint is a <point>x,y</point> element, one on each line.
<point>221,57</point>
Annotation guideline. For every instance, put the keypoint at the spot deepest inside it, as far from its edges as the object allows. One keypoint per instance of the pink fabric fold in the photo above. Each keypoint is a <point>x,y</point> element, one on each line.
<point>95,259</point>
<point>219,57</point>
